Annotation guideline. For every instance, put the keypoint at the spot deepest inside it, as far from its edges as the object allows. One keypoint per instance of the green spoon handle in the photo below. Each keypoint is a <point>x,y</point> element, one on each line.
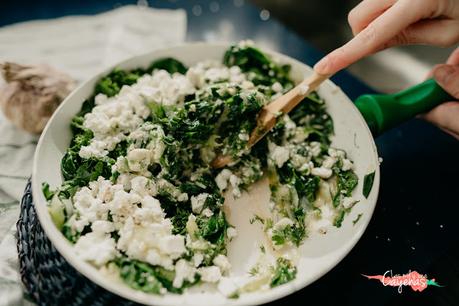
<point>383,112</point>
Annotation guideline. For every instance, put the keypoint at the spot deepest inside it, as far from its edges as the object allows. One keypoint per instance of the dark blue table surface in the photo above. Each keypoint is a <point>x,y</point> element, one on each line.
<point>415,225</point>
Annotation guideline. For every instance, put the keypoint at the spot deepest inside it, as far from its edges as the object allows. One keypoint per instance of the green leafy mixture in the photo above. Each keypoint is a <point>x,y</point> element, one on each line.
<point>115,174</point>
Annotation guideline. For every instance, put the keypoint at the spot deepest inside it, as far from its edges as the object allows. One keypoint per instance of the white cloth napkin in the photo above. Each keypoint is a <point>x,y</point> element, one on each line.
<point>80,46</point>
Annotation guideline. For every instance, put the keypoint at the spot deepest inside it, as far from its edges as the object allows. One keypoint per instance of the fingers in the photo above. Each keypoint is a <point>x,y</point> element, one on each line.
<point>454,58</point>
<point>440,32</point>
<point>365,12</point>
<point>372,38</point>
<point>446,116</point>
<point>447,76</point>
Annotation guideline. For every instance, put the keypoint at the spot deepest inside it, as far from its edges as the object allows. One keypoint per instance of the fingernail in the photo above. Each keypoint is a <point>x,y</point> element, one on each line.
<point>442,73</point>
<point>322,65</point>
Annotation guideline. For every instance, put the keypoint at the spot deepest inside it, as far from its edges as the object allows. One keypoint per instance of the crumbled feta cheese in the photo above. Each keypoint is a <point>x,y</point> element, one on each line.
<point>315,148</point>
<point>100,99</point>
<point>96,247</point>
<point>347,165</point>
<point>183,197</point>
<point>197,202</point>
<point>235,182</point>
<point>282,223</point>
<point>222,179</point>
<point>172,245</point>
<point>336,153</point>
<point>244,136</point>
<point>112,118</point>
<point>247,85</point>
<point>322,172</point>
<point>143,186</point>
<point>222,262</point>
<point>210,274</point>
<point>231,232</point>
<point>191,226</point>
<point>139,159</point>
<point>279,154</point>
<point>328,162</point>
<point>277,87</point>
<point>197,259</point>
<point>207,213</point>
<point>183,271</point>
<point>102,227</point>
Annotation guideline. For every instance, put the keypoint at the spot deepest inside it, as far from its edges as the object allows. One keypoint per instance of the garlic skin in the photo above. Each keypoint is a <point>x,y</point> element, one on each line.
<point>32,93</point>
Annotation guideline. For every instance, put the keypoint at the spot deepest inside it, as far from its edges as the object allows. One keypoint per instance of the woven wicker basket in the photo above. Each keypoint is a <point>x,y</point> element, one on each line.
<point>47,277</point>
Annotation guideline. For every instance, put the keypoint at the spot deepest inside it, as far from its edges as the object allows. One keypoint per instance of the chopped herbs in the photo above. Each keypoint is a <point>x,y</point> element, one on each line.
<point>354,222</point>
<point>47,192</point>
<point>284,271</point>
<point>368,183</point>
<point>139,197</point>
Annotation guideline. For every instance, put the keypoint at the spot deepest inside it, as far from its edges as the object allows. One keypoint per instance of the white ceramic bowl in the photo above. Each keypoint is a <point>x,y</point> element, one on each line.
<point>319,253</point>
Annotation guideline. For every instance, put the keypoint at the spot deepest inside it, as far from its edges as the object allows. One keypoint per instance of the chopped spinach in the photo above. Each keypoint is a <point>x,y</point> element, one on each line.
<point>147,278</point>
<point>284,271</point>
<point>48,193</point>
<point>217,119</point>
<point>368,183</point>
<point>169,64</point>
<point>354,222</point>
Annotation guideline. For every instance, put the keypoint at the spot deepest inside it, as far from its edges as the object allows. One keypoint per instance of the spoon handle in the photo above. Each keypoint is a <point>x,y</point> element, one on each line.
<point>383,112</point>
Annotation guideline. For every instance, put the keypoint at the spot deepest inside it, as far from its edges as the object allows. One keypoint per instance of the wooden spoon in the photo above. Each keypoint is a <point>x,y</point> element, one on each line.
<point>268,115</point>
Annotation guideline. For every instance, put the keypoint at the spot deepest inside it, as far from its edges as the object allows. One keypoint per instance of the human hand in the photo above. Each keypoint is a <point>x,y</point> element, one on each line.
<point>380,24</point>
<point>446,115</point>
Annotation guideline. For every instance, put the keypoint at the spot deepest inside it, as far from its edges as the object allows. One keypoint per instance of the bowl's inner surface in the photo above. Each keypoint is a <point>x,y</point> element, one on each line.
<point>318,254</point>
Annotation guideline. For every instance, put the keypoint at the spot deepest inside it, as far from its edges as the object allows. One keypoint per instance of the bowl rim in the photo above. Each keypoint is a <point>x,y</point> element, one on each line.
<point>92,274</point>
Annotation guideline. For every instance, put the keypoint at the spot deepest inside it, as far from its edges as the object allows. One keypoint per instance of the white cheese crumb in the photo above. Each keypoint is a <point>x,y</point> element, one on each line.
<point>172,245</point>
<point>329,162</point>
<point>222,179</point>
<point>95,247</point>
<point>244,136</point>
<point>183,271</point>
<point>277,87</point>
<point>279,154</point>
<point>231,232</point>
<point>235,182</point>
<point>206,212</point>
<point>336,153</point>
<point>347,165</point>
<point>139,159</point>
<point>197,202</point>
<point>210,274</point>
<point>197,259</point>
<point>322,172</point>
<point>316,149</point>
<point>282,223</point>
<point>222,262</point>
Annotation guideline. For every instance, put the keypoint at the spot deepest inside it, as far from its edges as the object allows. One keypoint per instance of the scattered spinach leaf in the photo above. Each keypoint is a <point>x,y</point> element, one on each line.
<point>368,183</point>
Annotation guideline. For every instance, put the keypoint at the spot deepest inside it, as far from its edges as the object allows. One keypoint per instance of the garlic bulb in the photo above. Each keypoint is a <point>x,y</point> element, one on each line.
<point>32,93</point>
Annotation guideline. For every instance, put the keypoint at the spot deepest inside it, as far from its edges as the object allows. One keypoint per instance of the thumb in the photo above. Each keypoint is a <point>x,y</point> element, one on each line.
<point>447,76</point>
